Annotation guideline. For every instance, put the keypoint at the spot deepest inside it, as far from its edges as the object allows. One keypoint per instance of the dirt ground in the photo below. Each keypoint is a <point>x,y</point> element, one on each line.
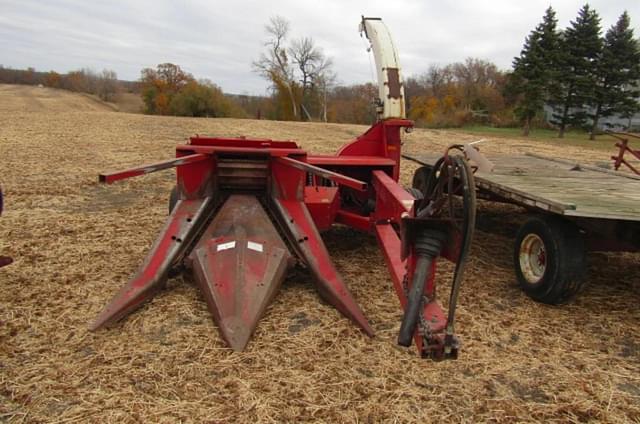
<point>76,242</point>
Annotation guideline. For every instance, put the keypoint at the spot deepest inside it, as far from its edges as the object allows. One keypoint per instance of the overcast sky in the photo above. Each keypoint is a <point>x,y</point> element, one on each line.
<point>219,39</point>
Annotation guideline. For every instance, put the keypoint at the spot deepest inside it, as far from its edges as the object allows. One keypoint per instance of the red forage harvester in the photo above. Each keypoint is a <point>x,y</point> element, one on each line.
<point>244,211</point>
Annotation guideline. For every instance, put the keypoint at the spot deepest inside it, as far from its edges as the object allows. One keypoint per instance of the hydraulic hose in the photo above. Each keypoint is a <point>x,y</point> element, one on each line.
<point>469,223</point>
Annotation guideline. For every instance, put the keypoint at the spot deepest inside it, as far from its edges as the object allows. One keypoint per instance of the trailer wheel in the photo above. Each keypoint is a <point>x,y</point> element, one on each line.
<point>550,259</point>
<point>173,198</point>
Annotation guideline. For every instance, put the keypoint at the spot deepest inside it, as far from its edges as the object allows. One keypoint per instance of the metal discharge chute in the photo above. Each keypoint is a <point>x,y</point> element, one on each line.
<point>245,210</point>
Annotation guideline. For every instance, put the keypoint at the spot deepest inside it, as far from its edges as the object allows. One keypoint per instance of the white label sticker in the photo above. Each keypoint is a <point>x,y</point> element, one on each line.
<point>227,245</point>
<point>254,246</point>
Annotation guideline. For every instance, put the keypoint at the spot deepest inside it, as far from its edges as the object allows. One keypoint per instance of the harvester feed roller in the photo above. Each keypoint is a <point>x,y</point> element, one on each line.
<point>244,211</point>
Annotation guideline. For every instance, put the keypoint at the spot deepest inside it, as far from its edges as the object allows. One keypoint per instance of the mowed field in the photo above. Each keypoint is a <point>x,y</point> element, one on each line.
<point>76,242</point>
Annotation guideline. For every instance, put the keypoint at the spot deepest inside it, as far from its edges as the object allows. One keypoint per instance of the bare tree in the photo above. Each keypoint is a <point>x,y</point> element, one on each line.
<point>324,83</point>
<point>91,80</point>
<point>437,80</point>
<point>300,73</point>
<point>107,85</point>
<point>274,64</point>
<point>314,69</point>
<point>310,60</point>
<point>477,82</point>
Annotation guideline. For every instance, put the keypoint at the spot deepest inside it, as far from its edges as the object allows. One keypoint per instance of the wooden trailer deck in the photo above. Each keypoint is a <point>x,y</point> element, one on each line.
<point>557,185</point>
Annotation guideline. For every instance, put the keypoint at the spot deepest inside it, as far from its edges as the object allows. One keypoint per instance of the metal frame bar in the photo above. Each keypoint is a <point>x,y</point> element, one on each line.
<point>392,201</point>
<point>111,177</point>
<point>330,175</point>
<point>209,149</point>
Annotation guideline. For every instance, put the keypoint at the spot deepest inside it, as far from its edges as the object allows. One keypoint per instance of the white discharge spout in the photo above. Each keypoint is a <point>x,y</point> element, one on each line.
<point>390,84</point>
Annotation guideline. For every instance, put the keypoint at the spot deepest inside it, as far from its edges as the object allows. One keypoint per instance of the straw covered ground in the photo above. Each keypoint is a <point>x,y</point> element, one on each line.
<point>75,243</point>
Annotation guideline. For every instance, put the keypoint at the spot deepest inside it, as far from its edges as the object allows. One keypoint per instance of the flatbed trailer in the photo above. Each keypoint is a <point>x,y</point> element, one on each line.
<point>574,208</point>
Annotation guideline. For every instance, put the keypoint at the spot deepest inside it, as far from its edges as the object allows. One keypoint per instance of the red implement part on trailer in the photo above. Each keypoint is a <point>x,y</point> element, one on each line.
<point>624,147</point>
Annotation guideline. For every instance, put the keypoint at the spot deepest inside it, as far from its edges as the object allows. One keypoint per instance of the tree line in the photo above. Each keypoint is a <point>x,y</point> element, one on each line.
<point>303,87</point>
<point>461,93</point>
<point>104,84</point>
<point>580,74</point>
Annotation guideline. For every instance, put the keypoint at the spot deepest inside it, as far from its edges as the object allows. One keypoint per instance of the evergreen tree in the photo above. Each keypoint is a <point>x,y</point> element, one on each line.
<point>580,47</point>
<point>618,74</point>
<point>534,69</point>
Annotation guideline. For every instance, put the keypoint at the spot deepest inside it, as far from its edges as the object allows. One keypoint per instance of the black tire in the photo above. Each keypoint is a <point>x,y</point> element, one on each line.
<point>173,198</point>
<point>555,273</point>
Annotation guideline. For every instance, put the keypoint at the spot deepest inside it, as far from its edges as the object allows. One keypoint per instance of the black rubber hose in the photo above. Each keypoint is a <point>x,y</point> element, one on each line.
<point>433,177</point>
<point>427,247</point>
<point>469,207</point>
<point>414,301</point>
<point>430,185</point>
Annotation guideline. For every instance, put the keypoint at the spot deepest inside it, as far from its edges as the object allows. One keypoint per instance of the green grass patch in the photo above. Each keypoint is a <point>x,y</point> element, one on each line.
<point>571,138</point>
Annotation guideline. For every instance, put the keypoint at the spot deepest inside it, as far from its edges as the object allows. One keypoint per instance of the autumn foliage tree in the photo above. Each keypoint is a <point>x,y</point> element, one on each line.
<point>457,94</point>
<point>352,104</point>
<point>160,85</point>
<point>52,79</point>
<point>203,98</point>
<point>168,90</point>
